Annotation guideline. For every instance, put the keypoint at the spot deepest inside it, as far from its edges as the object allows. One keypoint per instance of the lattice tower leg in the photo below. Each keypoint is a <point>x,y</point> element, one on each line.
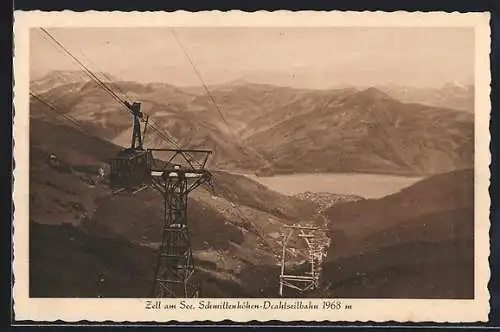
<point>175,267</point>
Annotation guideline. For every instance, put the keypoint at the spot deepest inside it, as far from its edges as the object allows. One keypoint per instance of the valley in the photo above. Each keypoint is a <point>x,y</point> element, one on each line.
<point>392,181</point>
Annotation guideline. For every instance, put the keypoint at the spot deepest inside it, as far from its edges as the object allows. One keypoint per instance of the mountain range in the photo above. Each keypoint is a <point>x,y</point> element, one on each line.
<point>277,130</point>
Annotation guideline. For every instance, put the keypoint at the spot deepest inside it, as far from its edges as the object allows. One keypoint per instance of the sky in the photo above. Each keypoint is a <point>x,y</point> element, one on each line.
<point>298,57</point>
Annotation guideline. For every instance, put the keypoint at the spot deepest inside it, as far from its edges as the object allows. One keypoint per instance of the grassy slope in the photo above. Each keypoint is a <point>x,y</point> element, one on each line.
<point>417,243</point>
<point>239,188</point>
<point>67,262</point>
<point>104,222</point>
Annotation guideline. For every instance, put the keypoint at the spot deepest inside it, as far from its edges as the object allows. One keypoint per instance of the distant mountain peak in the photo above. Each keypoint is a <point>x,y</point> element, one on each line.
<point>63,76</point>
<point>239,82</point>
<point>375,92</point>
<point>455,84</point>
<point>457,88</point>
<point>56,78</point>
<point>58,75</point>
<point>372,94</point>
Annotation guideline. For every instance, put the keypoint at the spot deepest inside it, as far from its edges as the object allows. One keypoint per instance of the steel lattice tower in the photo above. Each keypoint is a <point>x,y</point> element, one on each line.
<point>175,269</point>
<point>316,245</point>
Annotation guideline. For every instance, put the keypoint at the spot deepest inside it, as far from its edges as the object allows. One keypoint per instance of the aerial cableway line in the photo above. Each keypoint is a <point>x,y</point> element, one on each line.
<point>218,109</point>
<point>128,168</point>
<point>212,99</point>
<point>125,103</point>
<point>175,271</point>
<point>135,168</point>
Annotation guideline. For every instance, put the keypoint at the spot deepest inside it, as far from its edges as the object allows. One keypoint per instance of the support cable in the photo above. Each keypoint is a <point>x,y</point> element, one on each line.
<point>212,99</point>
<point>240,213</point>
<point>209,94</point>
<point>166,137</point>
<point>87,70</point>
<point>52,108</point>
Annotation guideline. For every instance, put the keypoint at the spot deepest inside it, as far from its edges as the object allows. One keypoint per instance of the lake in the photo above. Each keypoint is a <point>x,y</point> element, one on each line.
<point>365,185</point>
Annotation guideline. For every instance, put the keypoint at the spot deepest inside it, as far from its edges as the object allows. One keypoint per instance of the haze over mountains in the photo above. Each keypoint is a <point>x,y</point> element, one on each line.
<point>284,130</point>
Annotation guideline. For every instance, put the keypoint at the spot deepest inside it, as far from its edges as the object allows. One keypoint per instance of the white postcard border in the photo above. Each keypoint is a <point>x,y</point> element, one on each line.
<point>363,310</point>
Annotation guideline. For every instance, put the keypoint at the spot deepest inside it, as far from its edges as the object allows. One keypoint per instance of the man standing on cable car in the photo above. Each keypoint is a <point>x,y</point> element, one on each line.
<point>136,133</point>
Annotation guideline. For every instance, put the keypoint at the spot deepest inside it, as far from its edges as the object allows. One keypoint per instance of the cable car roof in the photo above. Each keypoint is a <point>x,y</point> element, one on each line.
<point>129,153</point>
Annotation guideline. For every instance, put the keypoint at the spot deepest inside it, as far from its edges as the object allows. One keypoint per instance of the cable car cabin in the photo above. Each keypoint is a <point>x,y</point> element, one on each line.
<point>130,169</point>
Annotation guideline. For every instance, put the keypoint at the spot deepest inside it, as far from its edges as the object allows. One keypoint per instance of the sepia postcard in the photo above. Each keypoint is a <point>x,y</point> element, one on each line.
<point>284,166</point>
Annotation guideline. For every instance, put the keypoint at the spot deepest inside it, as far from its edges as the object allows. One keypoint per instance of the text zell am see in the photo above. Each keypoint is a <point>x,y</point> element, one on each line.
<point>239,304</point>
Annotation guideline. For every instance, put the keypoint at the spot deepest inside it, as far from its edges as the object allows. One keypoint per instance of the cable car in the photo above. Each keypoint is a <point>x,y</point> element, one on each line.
<point>131,167</point>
